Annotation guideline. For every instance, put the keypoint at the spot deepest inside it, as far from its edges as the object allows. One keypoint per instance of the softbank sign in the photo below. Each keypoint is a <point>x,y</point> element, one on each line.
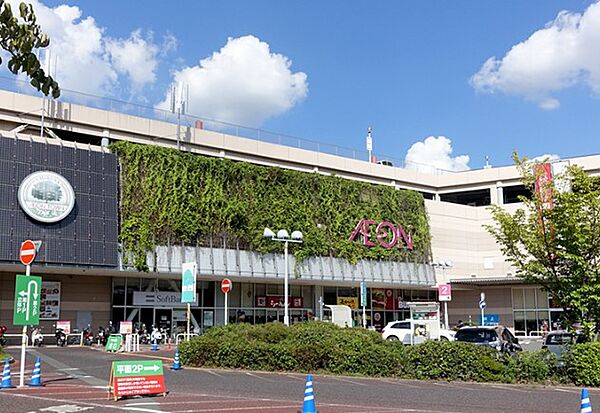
<point>388,234</point>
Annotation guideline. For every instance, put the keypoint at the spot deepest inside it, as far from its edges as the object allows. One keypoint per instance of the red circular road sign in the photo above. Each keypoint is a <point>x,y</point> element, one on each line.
<point>27,252</point>
<point>226,285</point>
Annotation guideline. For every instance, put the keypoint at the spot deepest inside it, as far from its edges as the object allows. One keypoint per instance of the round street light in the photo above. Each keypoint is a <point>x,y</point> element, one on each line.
<point>284,236</point>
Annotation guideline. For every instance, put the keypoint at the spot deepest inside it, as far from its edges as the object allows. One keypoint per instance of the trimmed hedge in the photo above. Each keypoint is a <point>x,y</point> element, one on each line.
<point>324,347</point>
<point>583,364</point>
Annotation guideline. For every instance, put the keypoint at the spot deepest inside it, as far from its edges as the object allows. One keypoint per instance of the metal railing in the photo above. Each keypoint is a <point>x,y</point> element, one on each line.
<point>183,336</point>
<point>155,113</point>
<point>48,338</point>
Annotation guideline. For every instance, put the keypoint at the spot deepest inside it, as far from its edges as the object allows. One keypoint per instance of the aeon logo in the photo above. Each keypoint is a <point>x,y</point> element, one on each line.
<point>388,234</point>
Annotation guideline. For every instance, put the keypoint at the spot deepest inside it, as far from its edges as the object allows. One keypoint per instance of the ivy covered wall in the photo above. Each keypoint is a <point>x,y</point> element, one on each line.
<point>171,197</point>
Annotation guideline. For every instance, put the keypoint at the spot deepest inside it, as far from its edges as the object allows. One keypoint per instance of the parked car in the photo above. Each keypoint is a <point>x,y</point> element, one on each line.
<point>556,342</point>
<point>401,331</point>
<point>385,162</point>
<point>497,337</point>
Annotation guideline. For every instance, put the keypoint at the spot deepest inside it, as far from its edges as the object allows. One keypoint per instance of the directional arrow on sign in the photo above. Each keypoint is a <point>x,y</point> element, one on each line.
<point>152,368</point>
<point>23,293</point>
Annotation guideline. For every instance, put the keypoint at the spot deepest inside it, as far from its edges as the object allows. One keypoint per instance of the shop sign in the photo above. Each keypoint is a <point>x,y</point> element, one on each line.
<point>132,378</point>
<point>50,300</point>
<point>277,301</point>
<point>65,326</point>
<point>444,292</point>
<point>351,302</point>
<point>388,234</point>
<point>46,196</point>
<point>27,301</point>
<point>402,305</point>
<point>159,299</point>
<point>378,298</point>
<point>113,343</point>
<point>126,327</point>
<point>490,320</point>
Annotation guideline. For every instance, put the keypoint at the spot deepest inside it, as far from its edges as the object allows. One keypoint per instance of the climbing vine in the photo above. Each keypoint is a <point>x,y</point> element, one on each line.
<point>171,197</point>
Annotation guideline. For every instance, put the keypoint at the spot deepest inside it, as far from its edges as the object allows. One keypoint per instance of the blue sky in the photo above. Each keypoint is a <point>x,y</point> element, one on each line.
<point>402,67</point>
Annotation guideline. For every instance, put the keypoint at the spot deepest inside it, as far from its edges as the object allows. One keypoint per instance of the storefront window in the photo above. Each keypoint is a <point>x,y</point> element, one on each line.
<point>308,296</point>
<point>520,323</point>
<point>132,284</point>
<point>531,311</point>
<point>208,293</point>
<point>118,313</point>
<point>118,291</point>
<point>330,295</point>
<point>518,300</point>
<point>148,284</point>
<point>530,298</point>
<point>542,298</point>
<point>420,295</point>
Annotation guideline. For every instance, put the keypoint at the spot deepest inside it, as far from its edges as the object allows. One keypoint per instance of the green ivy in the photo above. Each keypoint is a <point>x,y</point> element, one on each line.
<point>172,197</point>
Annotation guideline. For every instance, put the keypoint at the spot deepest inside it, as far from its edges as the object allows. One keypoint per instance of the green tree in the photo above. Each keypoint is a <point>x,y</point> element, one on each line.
<point>556,246</point>
<point>20,37</point>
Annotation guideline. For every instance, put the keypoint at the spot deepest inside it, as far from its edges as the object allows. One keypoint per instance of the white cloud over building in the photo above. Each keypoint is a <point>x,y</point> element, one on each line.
<point>242,83</point>
<point>435,152</point>
<point>561,55</point>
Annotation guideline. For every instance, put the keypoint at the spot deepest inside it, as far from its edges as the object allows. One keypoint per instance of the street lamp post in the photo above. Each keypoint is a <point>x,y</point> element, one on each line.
<point>444,265</point>
<point>283,236</point>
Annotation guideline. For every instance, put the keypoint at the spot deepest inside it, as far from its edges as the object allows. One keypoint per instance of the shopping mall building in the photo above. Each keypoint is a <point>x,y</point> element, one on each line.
<point>91,186</point>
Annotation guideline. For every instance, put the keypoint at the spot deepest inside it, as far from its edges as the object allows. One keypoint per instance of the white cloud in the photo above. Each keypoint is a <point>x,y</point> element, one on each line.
<point>87,60</point>
<point>135,56</point>
<point>435,152</point>
<point>243,83</point>
<point>561,55</point>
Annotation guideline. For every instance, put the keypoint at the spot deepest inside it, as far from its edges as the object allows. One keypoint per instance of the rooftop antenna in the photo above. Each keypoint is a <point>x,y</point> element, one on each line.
<point>180,94</point>
<point>49,70</point>
<point>370,143</point>
<point>487,162</point>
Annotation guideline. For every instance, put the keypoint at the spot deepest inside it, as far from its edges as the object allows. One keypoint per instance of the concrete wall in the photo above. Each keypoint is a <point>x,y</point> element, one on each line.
<point>464,304</point>
<point>458,235</point>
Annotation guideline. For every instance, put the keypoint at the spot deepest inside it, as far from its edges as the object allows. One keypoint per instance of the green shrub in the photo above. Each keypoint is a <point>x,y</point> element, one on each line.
<point>324,347</point>
<point>446,360</point>
<point>583,364</point>
<point>531,367</point>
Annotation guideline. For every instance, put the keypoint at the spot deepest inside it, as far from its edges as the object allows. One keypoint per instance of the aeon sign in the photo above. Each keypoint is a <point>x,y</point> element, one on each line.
<point>388,234</point>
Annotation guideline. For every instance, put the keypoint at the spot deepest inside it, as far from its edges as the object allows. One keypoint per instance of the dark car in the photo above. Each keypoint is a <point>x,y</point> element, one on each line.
<point>497,337</point>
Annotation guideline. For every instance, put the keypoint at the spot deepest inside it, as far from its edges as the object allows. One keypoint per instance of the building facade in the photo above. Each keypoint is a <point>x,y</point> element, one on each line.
<point>92,276</point>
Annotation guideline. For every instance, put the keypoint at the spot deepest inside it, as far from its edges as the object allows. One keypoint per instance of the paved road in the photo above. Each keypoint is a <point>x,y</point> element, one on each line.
<point>75,380</point>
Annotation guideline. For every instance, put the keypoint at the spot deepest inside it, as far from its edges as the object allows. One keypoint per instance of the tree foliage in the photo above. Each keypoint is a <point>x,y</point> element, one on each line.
<point>557,246</point>
<point>172,197</point>
<point>20,36</point>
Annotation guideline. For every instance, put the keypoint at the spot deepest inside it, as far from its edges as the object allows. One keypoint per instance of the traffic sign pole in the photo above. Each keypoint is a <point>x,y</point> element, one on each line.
<point>188,321</point>
<point>24,338</point>
<point>226,311</point>
<point>27,254</point>
<point>446,323</point>
<point>363,302</point>
<point>482,305</point>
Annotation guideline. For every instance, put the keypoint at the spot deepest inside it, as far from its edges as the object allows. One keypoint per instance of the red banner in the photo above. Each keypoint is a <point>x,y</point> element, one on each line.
<point>130,386</point>
<point>543,184</point>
